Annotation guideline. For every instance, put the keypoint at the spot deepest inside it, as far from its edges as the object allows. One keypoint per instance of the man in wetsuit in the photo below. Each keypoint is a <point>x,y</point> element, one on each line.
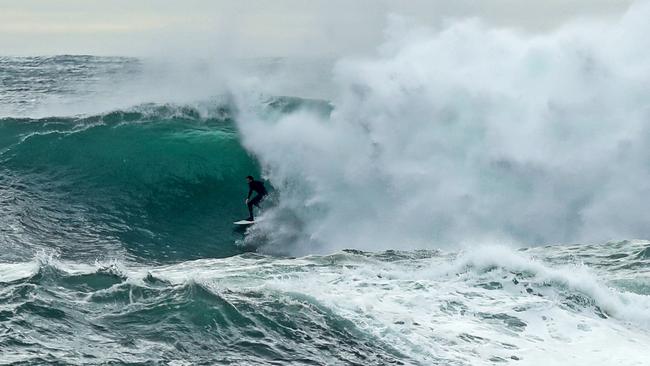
<point>257,187</point>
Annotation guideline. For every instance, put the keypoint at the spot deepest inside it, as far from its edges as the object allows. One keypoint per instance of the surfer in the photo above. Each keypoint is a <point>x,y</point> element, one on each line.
<point>257,187</point>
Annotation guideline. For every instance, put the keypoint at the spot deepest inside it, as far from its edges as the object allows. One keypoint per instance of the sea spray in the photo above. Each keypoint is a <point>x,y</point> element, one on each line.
<point>115,225</point>
<point>467,134</point>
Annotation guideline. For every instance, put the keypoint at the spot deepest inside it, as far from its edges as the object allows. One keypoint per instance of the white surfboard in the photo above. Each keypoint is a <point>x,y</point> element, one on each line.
<point>244,222</point>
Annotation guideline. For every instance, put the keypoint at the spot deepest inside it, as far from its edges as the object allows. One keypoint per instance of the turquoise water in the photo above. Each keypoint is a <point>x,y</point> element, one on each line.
<point>117,245</point>
<point>156,184</point>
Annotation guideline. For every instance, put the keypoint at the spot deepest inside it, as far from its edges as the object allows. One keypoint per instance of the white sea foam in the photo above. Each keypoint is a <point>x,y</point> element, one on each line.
<point>10,272</point>
<point>437,308</point>
<point>469,307</point>
<point>468,134</point>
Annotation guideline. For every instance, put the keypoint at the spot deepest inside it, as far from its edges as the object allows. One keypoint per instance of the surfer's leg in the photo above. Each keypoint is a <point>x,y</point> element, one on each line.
<point>253,202</point>
<point>250,210</point>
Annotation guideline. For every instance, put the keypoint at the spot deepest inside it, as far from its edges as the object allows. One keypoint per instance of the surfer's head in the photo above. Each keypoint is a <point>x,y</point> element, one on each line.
<point>250,178</point>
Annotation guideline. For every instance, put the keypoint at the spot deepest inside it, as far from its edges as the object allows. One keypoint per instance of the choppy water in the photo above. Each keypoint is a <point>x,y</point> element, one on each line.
<point>574,305</point>
<point>379,244</point>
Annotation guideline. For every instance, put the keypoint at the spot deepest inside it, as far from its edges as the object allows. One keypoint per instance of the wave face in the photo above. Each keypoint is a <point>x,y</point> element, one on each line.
<point>470,134</point>
<point>156,182</point>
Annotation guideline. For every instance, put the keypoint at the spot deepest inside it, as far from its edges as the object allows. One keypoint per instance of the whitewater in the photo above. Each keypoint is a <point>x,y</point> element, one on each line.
<point>467,195</point>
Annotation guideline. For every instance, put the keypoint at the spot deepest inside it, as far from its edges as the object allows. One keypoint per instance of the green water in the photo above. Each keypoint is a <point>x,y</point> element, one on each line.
<point>163,181</point>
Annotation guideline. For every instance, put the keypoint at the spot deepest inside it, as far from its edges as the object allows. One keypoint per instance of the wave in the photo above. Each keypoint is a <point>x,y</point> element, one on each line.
<point>351,307</point>
<point>467,135</point>
<point>461,135</point>
<point>155,181</point>
<point>195,321</point>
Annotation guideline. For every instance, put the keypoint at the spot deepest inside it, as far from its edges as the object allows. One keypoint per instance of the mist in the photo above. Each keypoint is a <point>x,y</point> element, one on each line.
<point>258,28</point>
<point>465,135</point>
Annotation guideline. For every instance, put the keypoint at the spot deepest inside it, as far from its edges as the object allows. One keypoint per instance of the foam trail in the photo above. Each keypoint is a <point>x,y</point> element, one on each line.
<point>468,134</point>
<point>413,303</point>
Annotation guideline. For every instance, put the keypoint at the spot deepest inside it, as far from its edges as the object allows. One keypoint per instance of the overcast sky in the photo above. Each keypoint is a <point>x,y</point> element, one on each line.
<point>254,28</point>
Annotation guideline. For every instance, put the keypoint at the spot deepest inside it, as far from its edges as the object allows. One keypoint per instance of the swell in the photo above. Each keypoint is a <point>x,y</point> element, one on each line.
<point>160,182</point>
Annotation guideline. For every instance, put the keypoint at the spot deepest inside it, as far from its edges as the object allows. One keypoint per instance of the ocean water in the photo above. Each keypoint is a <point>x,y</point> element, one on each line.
<point>481,202</point>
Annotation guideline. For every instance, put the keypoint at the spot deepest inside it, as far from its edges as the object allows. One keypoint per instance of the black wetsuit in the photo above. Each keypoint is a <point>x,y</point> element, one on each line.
<point>257,187</point>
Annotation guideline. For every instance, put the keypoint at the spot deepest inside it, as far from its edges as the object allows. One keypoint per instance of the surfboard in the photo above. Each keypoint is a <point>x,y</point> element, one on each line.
<point>244,222</point>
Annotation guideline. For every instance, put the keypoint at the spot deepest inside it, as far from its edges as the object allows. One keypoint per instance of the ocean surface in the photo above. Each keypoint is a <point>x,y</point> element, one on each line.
<point>407,222</point>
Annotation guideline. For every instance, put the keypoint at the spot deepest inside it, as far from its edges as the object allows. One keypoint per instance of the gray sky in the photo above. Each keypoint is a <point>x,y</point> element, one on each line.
<point>255,27</point>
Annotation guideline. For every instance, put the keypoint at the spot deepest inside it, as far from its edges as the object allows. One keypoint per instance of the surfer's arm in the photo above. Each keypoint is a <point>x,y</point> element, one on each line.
<point>250,191</point>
